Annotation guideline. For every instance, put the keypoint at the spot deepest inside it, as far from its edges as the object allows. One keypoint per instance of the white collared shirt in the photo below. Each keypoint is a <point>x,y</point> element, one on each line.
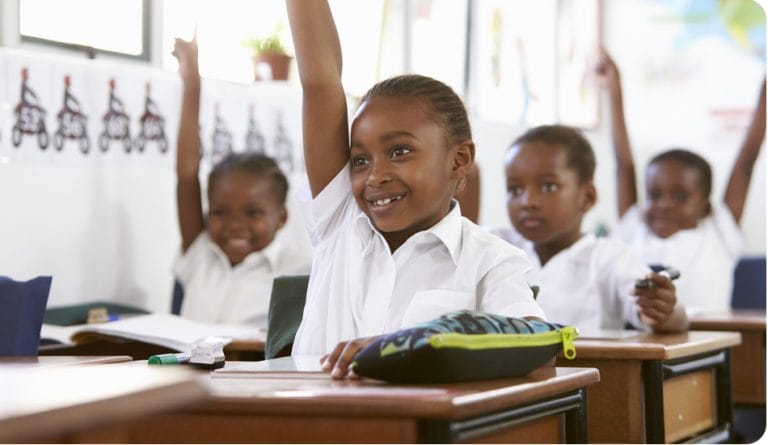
<point>588,284</point>
<point>358,288</point>
<point>217,292</point>
<point>705,255</point>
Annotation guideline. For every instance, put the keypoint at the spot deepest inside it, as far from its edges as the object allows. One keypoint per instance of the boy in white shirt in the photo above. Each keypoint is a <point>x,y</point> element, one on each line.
<point>391,248</point>
<point>677,226</point>
<point>585,281</point>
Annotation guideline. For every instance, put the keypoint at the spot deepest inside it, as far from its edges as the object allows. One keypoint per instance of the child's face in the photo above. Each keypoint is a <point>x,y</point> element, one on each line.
<point>403,171</point>
<point>674,200</point>
<point>243,214</point>
<point>545,198</point>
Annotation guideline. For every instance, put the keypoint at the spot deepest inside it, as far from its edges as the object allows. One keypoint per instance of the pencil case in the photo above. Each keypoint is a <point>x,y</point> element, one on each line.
<point>464,346</point>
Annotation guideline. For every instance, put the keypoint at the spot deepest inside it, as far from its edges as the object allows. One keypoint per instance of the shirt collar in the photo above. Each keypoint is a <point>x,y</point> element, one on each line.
<point>448,231</point>
<point>268,255</point>
<point>579,251</point>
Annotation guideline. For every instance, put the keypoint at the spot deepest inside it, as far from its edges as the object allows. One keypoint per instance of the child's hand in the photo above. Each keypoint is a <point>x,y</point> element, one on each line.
<point>342,356</point>
<point>607,72</point>
<point>186,53</point>
<point>657,301</point>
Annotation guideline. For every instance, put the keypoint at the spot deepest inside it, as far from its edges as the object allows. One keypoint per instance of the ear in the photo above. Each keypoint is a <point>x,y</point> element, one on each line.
<point>463,159</point>
<point>589,196</point>
<point>283,217</point>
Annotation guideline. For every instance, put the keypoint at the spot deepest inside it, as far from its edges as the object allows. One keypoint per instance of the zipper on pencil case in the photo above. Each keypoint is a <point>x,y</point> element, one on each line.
<point>564,335</point>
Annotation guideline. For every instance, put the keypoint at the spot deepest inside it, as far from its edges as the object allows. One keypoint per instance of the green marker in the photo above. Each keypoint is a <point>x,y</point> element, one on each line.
<point>169,359</point>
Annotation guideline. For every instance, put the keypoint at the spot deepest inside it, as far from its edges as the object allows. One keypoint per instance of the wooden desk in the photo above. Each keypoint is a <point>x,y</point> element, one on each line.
<point>52,404</point>
<point>54,361</point>
<point>747,359</point>
<point>236,350</point>
<point>658,388</point>
<point>546,406</point>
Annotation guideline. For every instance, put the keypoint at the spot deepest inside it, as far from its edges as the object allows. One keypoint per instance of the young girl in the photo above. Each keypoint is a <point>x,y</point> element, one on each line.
<point>391,248</point>
<point>676,225</point>
<point>585,281</point>
<point>227,265</point>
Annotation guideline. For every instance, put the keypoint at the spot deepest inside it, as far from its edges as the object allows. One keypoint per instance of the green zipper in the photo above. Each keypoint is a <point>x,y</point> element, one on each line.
<point>489,341</point>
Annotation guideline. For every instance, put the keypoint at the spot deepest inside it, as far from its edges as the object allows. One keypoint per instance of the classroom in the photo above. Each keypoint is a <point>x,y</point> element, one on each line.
<point>117,119</point>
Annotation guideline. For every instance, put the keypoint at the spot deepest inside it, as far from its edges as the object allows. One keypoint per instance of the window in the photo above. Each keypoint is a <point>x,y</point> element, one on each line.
<point>116,27</point>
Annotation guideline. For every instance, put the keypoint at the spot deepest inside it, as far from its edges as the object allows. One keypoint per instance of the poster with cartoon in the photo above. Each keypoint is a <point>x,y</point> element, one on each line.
<point>5,115</point>
<point>28,85</point>
<point>514,69</point>
<point>71,112</point>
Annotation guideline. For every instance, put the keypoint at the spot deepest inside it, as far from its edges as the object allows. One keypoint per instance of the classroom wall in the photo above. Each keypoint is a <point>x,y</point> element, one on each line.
<point>107,231</point>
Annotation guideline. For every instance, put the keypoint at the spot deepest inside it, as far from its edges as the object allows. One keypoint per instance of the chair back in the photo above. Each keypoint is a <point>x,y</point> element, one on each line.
<point>286,307</point>
<point>73,314</point>
<point>749,283</point>
<point>22,304</point>
<point>177,298</point>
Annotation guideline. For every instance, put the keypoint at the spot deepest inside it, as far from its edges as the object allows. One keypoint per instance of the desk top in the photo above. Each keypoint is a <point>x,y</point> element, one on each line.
<point>730,319</point>
<point>646,346</point>
<point>318,394</point>
<point>46,402</point>
<point>48,361</point>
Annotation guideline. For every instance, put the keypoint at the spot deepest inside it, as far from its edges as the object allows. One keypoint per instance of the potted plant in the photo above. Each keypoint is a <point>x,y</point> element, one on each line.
<point>269,51</point>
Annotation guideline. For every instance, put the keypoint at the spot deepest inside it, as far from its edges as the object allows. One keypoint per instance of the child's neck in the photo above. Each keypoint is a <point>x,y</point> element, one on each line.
<point>547,250</point>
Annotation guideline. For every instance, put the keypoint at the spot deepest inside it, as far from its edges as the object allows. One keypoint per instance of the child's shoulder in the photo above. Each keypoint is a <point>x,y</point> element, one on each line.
<point>491,241</point>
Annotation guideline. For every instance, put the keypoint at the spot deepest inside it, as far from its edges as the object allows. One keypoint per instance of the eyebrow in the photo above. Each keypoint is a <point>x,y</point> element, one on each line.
<point>386,137</point>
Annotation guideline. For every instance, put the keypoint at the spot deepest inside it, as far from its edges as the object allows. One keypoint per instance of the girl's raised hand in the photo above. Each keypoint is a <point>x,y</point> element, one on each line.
<point>606,71</point>
<point>186,53</point>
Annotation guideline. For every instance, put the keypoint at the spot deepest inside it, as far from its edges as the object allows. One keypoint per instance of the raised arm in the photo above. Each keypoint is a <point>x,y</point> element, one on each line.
<point>741,174</point>
<point>324,117</point>
<point>188,199</point>
<point>626,188</point>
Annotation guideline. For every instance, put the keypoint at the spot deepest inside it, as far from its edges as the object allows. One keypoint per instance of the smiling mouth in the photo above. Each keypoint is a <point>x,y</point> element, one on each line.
<point>385,201</point>
<point>532,222</point>
<point>238,243</point>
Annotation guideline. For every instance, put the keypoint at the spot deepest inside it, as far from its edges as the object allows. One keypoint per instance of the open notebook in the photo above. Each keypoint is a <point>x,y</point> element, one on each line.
<point>167,330</point>
<point>297,366</point>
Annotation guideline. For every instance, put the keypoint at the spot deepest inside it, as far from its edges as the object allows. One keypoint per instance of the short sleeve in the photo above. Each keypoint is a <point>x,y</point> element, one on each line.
<point>504,290</point>
<point>333,205</point>
<point>187,262</point>
<point>630,224</point>
<point>728,230</point>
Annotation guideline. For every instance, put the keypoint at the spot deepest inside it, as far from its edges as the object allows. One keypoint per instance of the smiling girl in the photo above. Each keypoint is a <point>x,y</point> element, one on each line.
<point>391,247</point>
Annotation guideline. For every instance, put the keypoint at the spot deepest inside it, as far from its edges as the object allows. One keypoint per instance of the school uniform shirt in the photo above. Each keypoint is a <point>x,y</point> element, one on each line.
<point>705,255</point>
<point>587,285</point>
<point>217,292</point>
<point>358,288</point>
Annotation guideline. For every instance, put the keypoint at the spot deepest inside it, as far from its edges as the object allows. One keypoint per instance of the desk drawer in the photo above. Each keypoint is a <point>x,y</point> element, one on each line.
<point>689,404</point>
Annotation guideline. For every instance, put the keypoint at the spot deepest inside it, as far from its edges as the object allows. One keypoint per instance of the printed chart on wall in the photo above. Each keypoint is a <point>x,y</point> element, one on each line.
<point>57,110</point>
<point>65,111</point>
<point>701,59</point>
<point>531,59</point>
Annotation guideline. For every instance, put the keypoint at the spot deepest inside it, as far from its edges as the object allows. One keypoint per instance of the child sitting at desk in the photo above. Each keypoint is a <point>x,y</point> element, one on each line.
<point>229,261</point>
<point>391,247</point>
<point>677,226</point>
<point>585,281</point>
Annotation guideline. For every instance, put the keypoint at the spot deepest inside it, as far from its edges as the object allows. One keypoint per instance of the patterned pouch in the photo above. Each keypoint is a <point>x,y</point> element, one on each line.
<point>464,346</point>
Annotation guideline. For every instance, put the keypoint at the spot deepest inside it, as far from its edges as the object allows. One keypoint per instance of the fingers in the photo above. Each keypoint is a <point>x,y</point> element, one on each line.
<point>338,362</point>
<point>658,301</point>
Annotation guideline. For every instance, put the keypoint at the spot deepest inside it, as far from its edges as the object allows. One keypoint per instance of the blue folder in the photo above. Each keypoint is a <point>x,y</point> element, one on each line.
<point>22,305</point>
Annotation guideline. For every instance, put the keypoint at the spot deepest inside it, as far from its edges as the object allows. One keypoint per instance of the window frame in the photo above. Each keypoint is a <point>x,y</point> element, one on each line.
<point>92,52</point>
